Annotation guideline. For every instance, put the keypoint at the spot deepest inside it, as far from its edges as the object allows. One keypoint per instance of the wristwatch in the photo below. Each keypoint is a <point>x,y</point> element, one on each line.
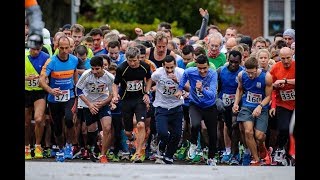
<point>261,104</point>
<point>148,92</point>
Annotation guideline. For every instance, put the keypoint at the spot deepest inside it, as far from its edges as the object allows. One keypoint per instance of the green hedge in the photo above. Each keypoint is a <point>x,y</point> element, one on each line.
<point>128,28</point>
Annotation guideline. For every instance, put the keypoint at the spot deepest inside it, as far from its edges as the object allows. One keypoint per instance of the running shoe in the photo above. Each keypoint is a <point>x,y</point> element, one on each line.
<point>103,159</point>
<point>212,162</point>
<point>38,152</point>
<point>60,156</point>
<point>235,160</point>
<point>280,157</point>
<point>68,151</point>
<point>27,153</point>
<point>192,151</point>
<point>226,159</point>
<point>246,159</point>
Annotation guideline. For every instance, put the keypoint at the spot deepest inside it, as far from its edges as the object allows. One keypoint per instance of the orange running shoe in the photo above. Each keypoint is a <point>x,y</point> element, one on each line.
<point>103,159</point>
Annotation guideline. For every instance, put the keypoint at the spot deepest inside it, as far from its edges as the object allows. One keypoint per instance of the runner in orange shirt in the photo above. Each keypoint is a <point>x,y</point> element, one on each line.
<point>283,101</point>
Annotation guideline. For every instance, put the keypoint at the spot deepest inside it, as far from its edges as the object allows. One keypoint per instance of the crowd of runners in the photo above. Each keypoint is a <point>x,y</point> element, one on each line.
<point>211,97</point>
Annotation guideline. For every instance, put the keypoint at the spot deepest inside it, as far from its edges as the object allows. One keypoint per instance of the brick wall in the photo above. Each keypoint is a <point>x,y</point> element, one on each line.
<point>252,14</point>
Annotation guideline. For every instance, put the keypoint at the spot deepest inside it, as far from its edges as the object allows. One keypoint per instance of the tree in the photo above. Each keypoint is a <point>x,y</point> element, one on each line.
<point>186,12</point>
<point>55,13</point>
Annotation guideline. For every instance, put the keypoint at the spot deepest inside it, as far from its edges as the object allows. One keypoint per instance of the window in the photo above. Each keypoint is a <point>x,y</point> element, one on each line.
<point>276,17</point>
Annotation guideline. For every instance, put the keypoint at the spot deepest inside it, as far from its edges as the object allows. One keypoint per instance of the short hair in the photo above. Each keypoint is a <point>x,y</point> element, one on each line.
<point>105,57</point>
<point>112,67</point>
<point>199,50</point>
<point>235,53</point>
<point>263,50</point>
<point>202,59</point>
<point>96,61</point>
<point>77,28</point>
<point>280,44</point>
<point>142,48</point>
<point>88,39</point>
<point>251,63</point>
<point>104,27</point>
<point>95,31</point>
<point>187,49</point>
<point>159,36</point>
<point>168,59</point>
<point>114,44</point>
<point>132,52</point>
<point>166,25</point>
<point>81,50</point>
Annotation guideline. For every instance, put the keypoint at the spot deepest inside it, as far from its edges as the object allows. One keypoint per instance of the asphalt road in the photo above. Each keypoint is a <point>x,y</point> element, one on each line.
<point>79,169</point>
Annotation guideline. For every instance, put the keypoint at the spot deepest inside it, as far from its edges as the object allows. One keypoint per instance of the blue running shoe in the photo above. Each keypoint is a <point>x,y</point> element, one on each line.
<point>68,151</point>
<point>246,159</point>
<point>226,159</point>
<point>60,156</point>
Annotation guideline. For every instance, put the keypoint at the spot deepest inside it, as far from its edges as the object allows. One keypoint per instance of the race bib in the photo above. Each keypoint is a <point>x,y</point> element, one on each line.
<point>134,85</point>
<point>169,90</point>
<point>228,99</point>
<point>33,82</point>
<point>253,97</point>
<point>98,89</point>
<point>287,95</point>
<point>65,96</point>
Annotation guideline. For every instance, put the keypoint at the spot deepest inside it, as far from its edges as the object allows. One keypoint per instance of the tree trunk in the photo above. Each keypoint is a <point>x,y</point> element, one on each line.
<point>55,14</point>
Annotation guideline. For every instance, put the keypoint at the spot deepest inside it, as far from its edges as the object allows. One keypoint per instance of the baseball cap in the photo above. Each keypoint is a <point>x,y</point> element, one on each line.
<point>66,26</point>
<point>46,36</point>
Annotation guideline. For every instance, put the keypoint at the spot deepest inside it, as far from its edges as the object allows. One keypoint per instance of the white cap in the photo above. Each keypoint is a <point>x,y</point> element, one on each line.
<point>46,36</point>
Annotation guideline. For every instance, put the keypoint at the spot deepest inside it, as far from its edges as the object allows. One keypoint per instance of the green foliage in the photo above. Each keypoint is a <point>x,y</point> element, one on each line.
<point>128,28</point>
<point>185,13</point>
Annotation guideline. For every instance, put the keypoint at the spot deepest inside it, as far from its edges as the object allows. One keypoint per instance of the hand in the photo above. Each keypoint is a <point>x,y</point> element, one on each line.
<point>219,104</point>
<point>272,112</point>
<point>173,77</point>
<point>138,31</point>
<point>199,85</point>
<point>186,94</point>
<point>115,99</point>
<point>93,109</point>
<point>235,108</point>
<point>56,91</point>
<point>178,94</point>
<point>146,99</point>
<point>31,77</point>
<point>112,106</point>
<point>99,104</point>
<point>203,12</point>
<point>257,111</point>
<point>278,83</point>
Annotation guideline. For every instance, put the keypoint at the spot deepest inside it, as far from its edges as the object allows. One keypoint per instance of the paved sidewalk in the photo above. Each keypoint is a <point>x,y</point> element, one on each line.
<point>35,170</point>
